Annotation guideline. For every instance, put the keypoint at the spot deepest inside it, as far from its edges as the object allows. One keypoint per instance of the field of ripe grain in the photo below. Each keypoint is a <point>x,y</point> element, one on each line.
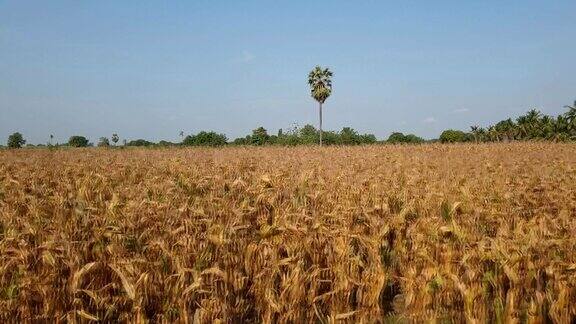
<point>374,234</point>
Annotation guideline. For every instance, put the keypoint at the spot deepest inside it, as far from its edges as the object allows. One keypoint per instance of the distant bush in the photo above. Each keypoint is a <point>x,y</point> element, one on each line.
<point>78,141</point>
<point>454,136</point>
<point>368,139</point>
<point>242,141</point>
<point>307,135</point>
<point>328,138</point>
<point>260,136</point>
<point>139,142</point>
<point>310,135</point>
<point>399,138</point>
<point>16,140</point>
<point>348,136</point>
<point>205,139</point>
<point>166,143</point>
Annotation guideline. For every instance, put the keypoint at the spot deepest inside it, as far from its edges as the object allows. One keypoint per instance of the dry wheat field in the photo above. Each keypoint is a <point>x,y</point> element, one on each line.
<point>448,233</point>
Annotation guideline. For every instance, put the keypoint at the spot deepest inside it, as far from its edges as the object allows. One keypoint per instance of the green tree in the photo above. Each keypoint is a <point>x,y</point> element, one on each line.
<point>524,127</point>
<point>291,137</point>
<point>205,139</point>
<point>481,134</point>
<point>164,143</point>
<point>348,136</point>
<point>308,134</point>
<point>138,142</point>
<point>533,122</point>
<point>507,129</point>
<point>320,82</point>
<point>560,131</point>
<point>533,115</point>
<point>546,129</point>
<point>78,141</point>
<point>259,136</point>
<point>242,141</point>
<point>453,136</point>
<point>368,139</point>
<point>530,126</point>
<point>397,138</point>
<point>16,140</point>
<point>330,138</point>
<point>491,133</point>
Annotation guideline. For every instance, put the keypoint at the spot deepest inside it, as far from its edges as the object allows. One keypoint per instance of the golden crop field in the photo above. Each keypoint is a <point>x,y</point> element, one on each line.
<point>461,233</point>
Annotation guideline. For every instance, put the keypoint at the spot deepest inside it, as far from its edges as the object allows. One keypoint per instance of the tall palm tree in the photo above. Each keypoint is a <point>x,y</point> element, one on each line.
<point>320,82</point>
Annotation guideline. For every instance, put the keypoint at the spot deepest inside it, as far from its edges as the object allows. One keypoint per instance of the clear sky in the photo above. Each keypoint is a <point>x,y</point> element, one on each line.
<point>148,69</point>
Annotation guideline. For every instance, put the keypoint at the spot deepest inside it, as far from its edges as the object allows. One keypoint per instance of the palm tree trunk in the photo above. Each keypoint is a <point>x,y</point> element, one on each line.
<point>320,124</point>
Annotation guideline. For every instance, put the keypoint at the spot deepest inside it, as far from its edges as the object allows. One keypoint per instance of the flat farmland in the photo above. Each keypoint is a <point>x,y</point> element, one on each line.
<point>467,233</point>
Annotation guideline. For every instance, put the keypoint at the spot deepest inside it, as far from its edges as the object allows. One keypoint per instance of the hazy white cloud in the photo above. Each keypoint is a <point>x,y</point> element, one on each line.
<point>460,110</point>
<point>429,120</point>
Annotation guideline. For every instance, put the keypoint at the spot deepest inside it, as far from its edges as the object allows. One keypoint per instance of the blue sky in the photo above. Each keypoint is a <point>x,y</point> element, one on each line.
<point>148,69</point>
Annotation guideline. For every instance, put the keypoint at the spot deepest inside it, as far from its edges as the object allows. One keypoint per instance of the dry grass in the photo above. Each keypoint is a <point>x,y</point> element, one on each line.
<point>373,234</point>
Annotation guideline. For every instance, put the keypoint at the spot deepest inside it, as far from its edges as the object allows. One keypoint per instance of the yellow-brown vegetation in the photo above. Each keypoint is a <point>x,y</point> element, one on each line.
<point>470,233</point>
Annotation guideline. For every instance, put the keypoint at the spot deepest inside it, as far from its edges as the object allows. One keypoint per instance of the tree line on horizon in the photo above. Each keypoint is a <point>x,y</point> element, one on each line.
<point>531,126</point>
<point>306,135</point>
